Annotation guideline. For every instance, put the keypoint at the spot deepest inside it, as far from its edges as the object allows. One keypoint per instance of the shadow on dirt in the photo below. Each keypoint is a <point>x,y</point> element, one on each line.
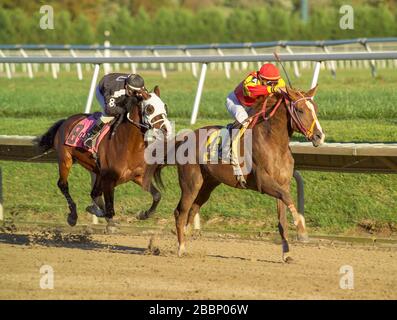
<point>243,259</point>
<point>72,241</point>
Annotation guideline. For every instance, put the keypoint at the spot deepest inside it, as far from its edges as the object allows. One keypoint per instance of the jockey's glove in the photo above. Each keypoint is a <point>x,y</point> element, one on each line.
<point>277,87</point>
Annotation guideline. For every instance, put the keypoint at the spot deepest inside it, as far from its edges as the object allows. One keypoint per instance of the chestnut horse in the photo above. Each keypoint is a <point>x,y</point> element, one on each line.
<point>275,119</point>
<point>119,159</point>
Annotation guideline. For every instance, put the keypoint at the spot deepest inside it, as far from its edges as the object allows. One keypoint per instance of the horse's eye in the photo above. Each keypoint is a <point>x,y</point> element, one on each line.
<point>300,111</point>
<point>166,108</point>
<point>149,109</point>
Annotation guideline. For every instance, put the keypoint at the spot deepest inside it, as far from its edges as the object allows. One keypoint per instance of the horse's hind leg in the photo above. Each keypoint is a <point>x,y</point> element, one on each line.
<point>202,197</point>
<point>190,180</point>
<point>156,196</point>
<point>65,164</point>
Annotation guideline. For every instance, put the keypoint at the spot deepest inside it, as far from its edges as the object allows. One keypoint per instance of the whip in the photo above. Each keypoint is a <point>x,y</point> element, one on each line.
<point>286,74</point>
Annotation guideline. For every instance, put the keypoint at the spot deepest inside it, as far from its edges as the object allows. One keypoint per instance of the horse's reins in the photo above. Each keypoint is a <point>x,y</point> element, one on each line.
<point>137,124</point>
<point>292,110</point>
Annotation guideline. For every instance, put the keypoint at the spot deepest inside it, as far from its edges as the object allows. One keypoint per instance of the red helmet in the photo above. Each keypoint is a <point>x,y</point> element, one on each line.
<point>269,72</point>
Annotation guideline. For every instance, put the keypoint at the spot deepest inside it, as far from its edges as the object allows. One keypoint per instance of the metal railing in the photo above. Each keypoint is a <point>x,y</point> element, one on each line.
<point>221,49</point>
<point>317,58</point>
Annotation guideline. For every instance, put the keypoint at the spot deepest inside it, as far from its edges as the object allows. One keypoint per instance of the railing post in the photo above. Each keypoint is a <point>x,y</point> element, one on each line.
<point>300,192</point>
<point>133,66</point>
<point>194,68</point>
<point>53,68</point>
<point>7,65</point>
<point>92,89</point>
<point>372,62</point>
<point>162,65</point>
<point>294,63</point>
<point>78,65</point>
<point>29,65</point>
<point>316,73</point>
<point>106,66</point>
<point>253,51</point>
<point>226,64</point>
<point>331,64</point>
<point>198,93</point>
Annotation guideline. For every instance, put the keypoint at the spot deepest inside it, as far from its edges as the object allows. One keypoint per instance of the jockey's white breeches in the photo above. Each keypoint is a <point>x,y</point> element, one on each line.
<point>234,107</point>
<point>101,99</point>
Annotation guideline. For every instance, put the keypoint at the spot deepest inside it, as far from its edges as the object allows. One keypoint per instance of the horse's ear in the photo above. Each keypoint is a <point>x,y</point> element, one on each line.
<point>292,93</point>
<point>156,90</point>
<point>312,91</point>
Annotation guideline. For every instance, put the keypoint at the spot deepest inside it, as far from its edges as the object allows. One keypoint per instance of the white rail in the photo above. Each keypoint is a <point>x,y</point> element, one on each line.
<point>318,58</point>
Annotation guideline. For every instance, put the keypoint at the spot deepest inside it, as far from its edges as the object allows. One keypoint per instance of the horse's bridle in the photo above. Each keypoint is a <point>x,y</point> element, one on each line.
<point>138,124</point>
<point>147,126</point>
<point>292,110</point>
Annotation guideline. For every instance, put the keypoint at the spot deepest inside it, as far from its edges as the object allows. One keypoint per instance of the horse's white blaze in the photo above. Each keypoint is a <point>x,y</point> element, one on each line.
<point>159,110</point>
<point>311,108</point>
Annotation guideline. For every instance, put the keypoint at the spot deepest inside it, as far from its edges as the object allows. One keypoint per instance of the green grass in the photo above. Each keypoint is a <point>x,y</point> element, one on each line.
<point>353,108</point>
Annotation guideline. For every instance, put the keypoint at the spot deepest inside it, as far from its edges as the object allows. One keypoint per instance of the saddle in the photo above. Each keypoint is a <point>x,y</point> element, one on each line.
<point>76,136</point>
<point>222,146</point>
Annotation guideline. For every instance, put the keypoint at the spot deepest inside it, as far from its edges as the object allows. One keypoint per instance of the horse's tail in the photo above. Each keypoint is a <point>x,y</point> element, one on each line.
<point>46,141</point>
<point>153,171</point>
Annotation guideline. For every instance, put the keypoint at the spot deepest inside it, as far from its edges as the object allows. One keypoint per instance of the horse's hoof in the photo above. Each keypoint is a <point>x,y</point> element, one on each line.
<point>111,226</point>
<point>196,234</point>
<point>181,250</point>
<point>72,220</point>
<point>142,215</point>
<point>111,229</point>
<point>95,210</point>
<point>303,237</point>
<point>287,259</point>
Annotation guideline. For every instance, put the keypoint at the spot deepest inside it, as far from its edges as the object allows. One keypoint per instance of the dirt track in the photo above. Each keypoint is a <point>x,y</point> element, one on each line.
<point>118,266</point>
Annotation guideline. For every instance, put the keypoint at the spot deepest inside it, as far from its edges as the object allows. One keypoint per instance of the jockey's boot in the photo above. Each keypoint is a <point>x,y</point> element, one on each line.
<point>90,139</point>
<point>234,153</point>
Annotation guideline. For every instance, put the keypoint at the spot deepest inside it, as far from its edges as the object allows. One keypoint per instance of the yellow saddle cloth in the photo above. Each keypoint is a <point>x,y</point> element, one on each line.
<point>218,145</point>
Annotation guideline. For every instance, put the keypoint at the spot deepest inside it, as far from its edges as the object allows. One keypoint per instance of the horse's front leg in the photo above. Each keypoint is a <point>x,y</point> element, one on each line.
<point>98,206</point>
<point>108,186</point>
<point>268,185</point>
<point>283,229</point>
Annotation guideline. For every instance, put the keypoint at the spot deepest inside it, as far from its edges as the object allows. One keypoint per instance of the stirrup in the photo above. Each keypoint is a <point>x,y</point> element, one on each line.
<point>88,142</point>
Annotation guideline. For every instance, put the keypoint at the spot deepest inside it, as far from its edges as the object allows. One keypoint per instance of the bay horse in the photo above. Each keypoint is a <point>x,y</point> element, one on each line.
<point>273,123</point>
<point>119,159</point>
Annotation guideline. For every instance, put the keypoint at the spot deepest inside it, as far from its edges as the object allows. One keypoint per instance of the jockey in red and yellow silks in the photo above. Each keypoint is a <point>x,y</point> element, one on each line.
<point>258,83</point>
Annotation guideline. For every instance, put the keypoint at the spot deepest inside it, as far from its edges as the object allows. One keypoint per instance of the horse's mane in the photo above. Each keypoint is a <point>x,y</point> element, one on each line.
<point>272,100</point>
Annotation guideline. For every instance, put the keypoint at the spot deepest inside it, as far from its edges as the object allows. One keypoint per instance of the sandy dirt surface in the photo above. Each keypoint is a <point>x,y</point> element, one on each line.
<point>121,267</point>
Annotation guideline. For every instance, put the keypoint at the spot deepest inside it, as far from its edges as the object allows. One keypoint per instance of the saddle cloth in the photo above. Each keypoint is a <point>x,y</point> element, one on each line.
<point>77,134</point>
<point>218,144</point>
